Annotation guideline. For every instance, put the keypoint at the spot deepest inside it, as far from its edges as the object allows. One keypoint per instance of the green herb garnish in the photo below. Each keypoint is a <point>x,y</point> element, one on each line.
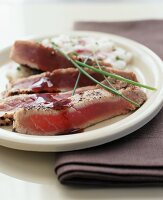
<point>18,68</point>
<point>80,65</point>
<point>74,53</point>
<point>118,58</point>
<point>77,80</point>
<point>76,83</point>
<point>114,76</point>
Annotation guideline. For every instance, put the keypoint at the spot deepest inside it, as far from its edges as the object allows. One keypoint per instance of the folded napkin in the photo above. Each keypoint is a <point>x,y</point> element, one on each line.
<point>135,160</point>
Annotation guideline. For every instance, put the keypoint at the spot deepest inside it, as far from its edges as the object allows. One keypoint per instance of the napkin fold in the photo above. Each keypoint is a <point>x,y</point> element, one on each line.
<point>135,160</point>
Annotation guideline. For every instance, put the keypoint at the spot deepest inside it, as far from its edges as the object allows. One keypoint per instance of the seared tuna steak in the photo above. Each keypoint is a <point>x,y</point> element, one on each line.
<point>59,80</point>
<point>76,112</point>
<point>37,56</point>
<point>10,104</point>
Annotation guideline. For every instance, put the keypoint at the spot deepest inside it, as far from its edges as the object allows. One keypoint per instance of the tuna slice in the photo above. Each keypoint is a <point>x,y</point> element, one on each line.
<point>76,112</point>
<point>59,80</point>
<point>10,104</point>
<point>37,56</point>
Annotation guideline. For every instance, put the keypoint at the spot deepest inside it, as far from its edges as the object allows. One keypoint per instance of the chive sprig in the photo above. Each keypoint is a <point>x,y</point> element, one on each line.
<point>80,65</point>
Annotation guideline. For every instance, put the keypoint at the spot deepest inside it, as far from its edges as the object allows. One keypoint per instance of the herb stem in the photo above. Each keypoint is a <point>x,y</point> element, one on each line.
<point>76,83</point>
<point>105,77</point>
<point>77,80</point>
<point>114,75</point>
<point>76,64</point>
<point>108,88</point>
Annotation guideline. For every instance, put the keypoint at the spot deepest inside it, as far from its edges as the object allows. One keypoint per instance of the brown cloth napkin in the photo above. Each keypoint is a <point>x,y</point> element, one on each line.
<point>135,160</point>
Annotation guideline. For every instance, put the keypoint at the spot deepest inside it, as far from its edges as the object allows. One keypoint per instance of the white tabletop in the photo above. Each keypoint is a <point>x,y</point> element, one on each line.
<point>29,175</point>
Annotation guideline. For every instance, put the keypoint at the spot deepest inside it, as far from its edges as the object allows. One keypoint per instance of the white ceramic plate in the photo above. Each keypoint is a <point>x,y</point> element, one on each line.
<point>149,70</point>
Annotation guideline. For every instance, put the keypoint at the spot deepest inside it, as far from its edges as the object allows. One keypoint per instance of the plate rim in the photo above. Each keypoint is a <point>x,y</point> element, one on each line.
<point>40,143</point>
